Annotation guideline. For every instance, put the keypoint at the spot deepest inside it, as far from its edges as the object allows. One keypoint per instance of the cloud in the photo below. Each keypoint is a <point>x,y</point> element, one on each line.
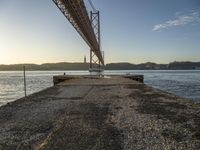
<point>180,19</point>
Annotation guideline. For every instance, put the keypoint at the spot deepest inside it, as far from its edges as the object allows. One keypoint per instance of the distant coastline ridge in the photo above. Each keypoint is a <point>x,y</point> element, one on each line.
<point>111,66</point>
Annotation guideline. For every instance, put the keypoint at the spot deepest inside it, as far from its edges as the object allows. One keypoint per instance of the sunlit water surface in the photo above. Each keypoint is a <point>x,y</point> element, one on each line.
<point>182,82</point>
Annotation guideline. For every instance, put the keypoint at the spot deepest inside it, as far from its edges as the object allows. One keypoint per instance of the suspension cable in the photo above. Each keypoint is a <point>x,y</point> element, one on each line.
<point>92,5</point>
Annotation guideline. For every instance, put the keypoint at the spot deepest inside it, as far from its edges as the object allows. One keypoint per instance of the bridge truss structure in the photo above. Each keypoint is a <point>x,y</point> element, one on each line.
<point>87,26</point>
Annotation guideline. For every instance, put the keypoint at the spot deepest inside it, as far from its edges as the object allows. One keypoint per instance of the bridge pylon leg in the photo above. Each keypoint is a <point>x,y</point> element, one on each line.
<point>95,63</point>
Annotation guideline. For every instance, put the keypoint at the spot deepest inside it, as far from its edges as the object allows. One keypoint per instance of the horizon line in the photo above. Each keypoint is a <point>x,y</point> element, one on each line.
<point>105,64</point>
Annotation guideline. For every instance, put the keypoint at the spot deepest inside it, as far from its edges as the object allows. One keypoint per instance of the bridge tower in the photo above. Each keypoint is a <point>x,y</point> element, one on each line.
<point>95,64</point>
<point>88,26</point>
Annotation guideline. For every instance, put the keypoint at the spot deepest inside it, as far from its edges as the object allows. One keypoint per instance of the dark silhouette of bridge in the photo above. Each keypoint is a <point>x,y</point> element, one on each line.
<point>88,26</point>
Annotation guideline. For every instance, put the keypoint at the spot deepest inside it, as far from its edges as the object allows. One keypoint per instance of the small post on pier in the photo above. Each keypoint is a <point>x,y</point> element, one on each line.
<point>24,68</point>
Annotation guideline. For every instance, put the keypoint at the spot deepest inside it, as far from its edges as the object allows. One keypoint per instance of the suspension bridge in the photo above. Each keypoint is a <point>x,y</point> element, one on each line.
<point>87,25</point>
<point>115,112</point>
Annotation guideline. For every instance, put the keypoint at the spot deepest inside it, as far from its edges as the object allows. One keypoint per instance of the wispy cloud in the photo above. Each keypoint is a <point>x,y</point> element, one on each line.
<point>180,19</point>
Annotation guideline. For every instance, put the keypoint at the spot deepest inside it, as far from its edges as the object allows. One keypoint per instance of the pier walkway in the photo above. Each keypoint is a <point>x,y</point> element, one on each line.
<point>100,113</point>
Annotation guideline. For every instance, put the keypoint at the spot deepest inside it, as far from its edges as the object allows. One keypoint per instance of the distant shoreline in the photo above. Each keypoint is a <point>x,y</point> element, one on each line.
<point>63,66</point>
<point>107,70</point>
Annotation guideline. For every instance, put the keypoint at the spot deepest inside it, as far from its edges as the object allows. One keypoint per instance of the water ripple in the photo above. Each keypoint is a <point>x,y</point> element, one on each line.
<point>183,83</point>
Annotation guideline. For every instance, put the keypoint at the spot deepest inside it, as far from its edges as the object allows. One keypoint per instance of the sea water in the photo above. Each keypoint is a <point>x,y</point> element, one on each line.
<point>184,83</point>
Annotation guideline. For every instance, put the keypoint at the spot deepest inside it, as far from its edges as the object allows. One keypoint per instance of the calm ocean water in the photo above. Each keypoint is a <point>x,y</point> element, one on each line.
<point>184,83</point>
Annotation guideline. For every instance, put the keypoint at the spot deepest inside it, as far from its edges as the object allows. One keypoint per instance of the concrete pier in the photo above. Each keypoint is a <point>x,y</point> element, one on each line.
<point>100,113</point>
<point>64,78</point>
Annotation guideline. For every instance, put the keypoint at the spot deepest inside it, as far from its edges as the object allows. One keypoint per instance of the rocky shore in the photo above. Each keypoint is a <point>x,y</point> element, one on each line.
<point>95,114</point>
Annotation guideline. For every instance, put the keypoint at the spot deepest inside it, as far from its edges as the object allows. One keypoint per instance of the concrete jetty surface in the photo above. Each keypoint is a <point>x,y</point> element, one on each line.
<point>100,113</point>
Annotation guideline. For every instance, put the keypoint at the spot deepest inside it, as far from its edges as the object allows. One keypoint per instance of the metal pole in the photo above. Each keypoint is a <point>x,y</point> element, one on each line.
<point>90,48</point>
<point>99,30</point>
<point>103,65</point>
<point>90,58</point>
<point>99,37</point>
<point>24,68</point>
<point>99,66</point>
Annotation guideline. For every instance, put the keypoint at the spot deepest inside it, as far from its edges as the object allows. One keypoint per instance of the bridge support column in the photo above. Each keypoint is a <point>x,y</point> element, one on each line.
<point>95,63</point>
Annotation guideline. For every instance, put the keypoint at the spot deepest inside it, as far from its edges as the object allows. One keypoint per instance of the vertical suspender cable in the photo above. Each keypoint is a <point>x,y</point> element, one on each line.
<point>92,5</point>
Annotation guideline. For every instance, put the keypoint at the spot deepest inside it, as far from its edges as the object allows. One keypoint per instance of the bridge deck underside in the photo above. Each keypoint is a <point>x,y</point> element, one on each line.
<point>75,11</point>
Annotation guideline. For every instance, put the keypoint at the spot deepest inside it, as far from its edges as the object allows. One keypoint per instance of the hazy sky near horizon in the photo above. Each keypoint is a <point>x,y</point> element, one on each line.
<point>136,31</point>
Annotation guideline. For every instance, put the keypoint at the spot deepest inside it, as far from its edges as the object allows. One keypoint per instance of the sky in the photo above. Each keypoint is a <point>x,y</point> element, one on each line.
<point>134,31</point>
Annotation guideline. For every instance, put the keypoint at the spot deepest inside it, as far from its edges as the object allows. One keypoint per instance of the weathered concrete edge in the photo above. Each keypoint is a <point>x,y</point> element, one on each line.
<point>62,78</point>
